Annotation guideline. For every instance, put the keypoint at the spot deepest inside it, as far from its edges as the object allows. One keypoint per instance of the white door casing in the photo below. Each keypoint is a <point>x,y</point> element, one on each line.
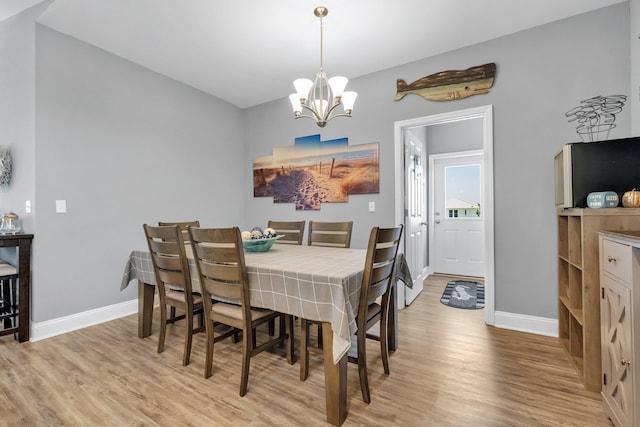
<point>415,235</point>
<point>457,243</point>
<point>485,113</point>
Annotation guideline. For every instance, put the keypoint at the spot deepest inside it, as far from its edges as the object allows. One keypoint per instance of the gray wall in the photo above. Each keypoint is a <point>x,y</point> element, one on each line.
<point>123,146</point>
<point>541,74</point>
<point>101,123</point>
<point>17,104</point>
<point>634,36</point>
<point>463,135</point>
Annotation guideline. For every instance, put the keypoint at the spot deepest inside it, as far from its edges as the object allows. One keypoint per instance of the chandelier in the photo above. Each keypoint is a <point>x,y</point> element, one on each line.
<point>322,96</point>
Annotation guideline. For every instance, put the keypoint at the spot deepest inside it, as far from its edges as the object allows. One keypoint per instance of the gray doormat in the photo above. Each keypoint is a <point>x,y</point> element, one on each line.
<point>463,294</point>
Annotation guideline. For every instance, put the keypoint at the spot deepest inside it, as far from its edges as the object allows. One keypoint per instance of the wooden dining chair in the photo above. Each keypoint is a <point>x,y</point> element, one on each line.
<point>183,227</point>
<point>223,275</point>
<point>334,234</point>
<point>373,308</point>
<point>173,280</point>
<point>292,231</point>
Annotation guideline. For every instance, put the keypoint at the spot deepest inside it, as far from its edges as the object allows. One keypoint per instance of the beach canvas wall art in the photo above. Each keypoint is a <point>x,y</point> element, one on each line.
<point>312,172</point>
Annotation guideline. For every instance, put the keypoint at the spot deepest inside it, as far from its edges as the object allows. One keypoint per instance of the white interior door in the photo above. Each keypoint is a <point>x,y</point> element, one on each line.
<point>457,221</point>
<point>415,236</point>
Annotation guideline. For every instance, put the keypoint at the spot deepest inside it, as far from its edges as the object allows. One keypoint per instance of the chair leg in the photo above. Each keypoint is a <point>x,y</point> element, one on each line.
<point>173,312</point>
<point>320,335</point>
<point>188,337</point>
<point>291,357</point>
<point>163,326</point>
<point>254,339</point>
<point>272,327</point>
<point>362,366</point>
<point>208,363</point>
<point>246,358</point>
<point>304,349</point>
<point>384,342</point>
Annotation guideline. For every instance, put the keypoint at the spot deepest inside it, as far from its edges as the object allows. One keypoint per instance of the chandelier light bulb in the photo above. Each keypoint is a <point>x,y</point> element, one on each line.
<point>348,99</point>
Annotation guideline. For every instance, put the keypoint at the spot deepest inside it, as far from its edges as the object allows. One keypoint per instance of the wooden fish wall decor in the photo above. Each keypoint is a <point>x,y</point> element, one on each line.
<point>451,84</point>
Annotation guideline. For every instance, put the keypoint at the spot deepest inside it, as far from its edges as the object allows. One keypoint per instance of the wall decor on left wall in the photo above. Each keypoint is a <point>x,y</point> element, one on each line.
<point>6,166</point>
<point>313,171</point>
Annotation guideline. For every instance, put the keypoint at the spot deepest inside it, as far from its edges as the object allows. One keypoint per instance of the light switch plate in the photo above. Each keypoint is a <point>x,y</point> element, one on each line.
<point>61,206</point>
<point>27,207</point>
<point>372,206</point>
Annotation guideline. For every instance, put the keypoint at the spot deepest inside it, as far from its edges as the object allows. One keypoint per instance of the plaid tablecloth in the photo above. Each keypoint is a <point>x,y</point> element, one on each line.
<point>311,282</point>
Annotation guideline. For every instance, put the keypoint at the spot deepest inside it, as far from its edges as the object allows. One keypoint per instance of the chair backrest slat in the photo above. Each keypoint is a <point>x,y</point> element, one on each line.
<point>174,278</point>
<point>380,261</point>
<point>169,258</point>
<point>183,225</point>
<point>292,231</point>
<point>334,234</point>
<point>219,257</point>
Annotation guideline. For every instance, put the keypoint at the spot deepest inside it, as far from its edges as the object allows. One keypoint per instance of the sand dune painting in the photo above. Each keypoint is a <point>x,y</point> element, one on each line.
<point>313,171</point>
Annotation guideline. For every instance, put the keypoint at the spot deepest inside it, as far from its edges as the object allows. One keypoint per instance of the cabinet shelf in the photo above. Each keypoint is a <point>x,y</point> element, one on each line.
<point>564,301</point>
<point>579,285</point>
<point>577,315</point>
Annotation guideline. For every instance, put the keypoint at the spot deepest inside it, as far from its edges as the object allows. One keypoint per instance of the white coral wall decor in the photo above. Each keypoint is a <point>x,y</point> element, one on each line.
<point>5,167</point>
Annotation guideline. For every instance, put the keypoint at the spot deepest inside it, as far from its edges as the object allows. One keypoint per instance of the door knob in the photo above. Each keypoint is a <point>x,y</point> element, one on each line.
<point>437,221</point>
<point>625,362</point>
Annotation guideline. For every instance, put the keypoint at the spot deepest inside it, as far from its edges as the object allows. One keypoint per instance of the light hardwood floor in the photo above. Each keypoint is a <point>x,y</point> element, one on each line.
<point>450,370</point>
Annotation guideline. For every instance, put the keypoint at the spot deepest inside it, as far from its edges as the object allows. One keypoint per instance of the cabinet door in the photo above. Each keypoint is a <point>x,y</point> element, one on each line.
<point>617,379</point>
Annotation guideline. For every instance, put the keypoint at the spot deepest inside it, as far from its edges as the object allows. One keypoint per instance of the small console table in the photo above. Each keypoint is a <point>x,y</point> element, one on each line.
<point>23,243</point>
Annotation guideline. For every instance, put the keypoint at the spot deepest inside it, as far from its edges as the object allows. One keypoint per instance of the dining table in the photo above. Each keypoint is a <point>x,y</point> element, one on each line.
<point>310,282</point>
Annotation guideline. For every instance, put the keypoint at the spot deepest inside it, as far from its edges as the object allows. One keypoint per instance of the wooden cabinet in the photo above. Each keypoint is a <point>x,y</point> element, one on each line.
<point>620,325</point>
<point>579,283</point>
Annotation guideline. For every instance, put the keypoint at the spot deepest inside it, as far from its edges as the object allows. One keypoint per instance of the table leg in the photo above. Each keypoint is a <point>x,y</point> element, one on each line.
<point>146,294</point>
<point>24,288</point>
<point>335,380</point>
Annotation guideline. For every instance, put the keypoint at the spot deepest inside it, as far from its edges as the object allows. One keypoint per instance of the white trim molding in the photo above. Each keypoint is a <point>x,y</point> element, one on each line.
<point>486,114</point>
<point>73,322</point>
<point>526,323</point>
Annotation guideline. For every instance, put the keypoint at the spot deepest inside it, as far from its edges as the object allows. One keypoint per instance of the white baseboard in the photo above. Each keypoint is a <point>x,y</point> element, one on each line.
<point>62,325</point>
<point>525,323</point>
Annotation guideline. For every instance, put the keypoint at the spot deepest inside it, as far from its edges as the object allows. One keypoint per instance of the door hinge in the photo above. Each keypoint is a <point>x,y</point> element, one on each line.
<point>604,379</point>
<point>602,290</point>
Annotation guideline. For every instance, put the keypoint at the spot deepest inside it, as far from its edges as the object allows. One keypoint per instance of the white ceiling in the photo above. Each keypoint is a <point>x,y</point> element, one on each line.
<point>248,52</point>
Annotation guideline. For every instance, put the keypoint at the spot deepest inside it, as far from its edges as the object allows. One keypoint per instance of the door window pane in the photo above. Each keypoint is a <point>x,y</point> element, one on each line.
<point>462,191</point>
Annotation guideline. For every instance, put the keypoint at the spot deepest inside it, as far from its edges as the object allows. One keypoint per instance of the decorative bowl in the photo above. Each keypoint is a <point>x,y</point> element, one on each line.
<point>260,245</point>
